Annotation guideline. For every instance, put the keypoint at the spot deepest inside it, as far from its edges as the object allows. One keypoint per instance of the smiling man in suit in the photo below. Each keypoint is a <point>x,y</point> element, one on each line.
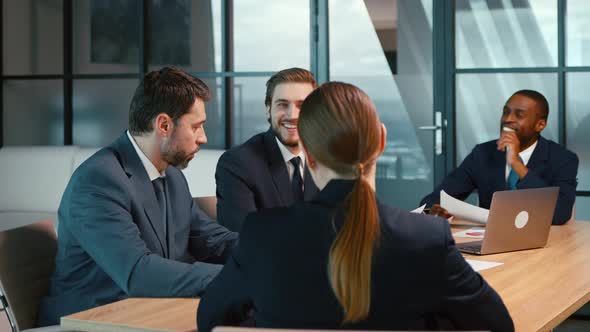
<point>269,169</point>
<point>520,159</point>
<point>128,226</point>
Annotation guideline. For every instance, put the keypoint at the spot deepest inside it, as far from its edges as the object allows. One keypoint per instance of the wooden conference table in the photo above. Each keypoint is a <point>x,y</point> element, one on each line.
<point>540,287</point>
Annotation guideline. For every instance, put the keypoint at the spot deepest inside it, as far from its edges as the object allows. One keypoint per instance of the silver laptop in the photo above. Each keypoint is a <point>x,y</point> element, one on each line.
<point>518,219</point>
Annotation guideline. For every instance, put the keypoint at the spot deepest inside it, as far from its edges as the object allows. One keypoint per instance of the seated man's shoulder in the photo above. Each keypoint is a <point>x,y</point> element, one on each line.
<point>245,153</point>
<point>560,150</point>
<point>102,167</point>
<point>486,147</point>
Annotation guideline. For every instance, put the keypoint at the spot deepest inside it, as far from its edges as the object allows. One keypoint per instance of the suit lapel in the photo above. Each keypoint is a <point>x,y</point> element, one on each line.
<point>540,156</point>
<point>498,164</point>
<point>169,218</point>
<point>278,169</point>
<point>143,187</point>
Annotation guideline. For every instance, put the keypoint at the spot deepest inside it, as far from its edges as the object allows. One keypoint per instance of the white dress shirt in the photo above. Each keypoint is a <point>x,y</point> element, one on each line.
<point>151,170</point>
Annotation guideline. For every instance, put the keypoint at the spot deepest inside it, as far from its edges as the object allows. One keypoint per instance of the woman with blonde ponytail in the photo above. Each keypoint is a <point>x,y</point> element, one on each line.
<point>345,260</point>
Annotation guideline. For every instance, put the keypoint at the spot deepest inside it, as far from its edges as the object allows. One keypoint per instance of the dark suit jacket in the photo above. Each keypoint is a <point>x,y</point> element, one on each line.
<point>254,176</point>
<point>484,169</point>
<point>111,242</point>
<point>280,269</point>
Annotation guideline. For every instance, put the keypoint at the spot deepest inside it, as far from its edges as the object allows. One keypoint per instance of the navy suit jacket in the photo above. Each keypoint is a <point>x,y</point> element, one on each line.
<point>484,169</point>
<point>279,270</point>
<point>111,242</point>
<point>253,176</point>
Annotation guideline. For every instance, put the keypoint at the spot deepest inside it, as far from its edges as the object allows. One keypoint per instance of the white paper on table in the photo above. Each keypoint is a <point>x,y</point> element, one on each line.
<point>482,265</point>
<point>472,233</point>
<point>419,209</point>
<point>462,210</point>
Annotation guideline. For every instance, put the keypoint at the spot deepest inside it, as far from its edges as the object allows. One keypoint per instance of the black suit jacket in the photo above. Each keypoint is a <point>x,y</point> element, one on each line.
<point>253,176</point>
<point>484,169</point>
<point>419,278</point>
<point>111,242</point>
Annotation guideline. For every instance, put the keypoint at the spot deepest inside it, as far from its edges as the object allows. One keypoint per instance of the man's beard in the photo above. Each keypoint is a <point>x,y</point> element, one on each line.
<point>173,156</point>
<point>177,159</point>
<point>277,133</point>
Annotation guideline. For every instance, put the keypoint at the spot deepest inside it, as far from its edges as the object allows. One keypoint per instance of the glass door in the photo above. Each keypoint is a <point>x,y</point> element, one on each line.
<point>385,47</point>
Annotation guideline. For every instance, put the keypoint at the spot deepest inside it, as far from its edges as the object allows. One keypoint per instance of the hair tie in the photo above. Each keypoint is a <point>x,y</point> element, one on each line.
<point>360,169</point>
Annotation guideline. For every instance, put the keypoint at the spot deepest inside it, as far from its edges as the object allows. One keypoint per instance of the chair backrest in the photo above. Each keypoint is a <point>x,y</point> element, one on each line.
<point>37,177</point>
<point>208,204</point>
<point>27,257</point>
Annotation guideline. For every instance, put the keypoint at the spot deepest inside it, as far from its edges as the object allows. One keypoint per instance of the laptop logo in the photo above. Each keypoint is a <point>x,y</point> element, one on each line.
<point>522,218</point>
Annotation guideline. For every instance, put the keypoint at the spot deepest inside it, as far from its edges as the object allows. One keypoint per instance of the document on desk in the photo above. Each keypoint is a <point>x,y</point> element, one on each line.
<point>463,211</point>
<point>472,233</point>
<point>482,265</point>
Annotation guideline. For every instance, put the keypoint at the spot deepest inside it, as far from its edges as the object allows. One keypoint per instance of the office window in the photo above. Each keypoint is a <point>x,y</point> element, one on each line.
<point>33,112</point>
<point>578,33</point>
<point>249,110</point>
<point>106,36</point>
<point>215,125</point>
<point>492,34</point>
<point>271,35</point>
<point>481,97</point>
<point>32,39</point>
<point>101,110</point>
<point>578,124</point>
<point>185,34</point>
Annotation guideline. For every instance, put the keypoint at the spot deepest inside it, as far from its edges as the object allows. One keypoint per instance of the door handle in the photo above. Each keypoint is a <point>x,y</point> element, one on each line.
<point>429,127</point>
<point>437,128</point>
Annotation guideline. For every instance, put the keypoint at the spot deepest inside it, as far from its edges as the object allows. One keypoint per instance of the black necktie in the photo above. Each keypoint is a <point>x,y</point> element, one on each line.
<point>297,182</point>
<point>159,188</point>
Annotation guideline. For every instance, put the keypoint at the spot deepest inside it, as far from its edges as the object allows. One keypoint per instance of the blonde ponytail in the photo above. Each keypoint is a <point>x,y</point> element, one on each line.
<point>351,253</point>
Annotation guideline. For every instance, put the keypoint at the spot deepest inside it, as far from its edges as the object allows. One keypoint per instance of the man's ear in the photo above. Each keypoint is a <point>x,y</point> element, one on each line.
<point>163,125</point>
<point>540,125</point>
<point>383,138</point>
<point>268,113</point>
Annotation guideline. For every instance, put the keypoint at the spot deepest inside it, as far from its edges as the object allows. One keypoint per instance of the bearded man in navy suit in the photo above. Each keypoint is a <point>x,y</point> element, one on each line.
<point>520,159</point>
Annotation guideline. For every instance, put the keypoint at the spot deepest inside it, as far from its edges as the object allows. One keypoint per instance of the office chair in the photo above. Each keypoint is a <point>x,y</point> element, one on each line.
<point>27,256</point>
<point>208,204</point>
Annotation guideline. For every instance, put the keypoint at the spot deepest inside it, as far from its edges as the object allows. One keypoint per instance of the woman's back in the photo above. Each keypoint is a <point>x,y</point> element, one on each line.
<point>418,279</point>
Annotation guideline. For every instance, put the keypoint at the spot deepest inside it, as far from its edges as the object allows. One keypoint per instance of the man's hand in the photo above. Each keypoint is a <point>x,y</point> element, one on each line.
<point>439,211</point>
<point>510,143</point>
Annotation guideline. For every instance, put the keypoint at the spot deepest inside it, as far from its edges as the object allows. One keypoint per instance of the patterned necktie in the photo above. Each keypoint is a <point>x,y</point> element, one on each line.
<point>160,189</point>
<point>297,181</point>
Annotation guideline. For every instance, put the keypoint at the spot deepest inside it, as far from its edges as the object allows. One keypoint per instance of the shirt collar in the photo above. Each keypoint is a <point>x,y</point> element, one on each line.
<point>151,170</point>
<point>288,155</point>
<point>526,154</point>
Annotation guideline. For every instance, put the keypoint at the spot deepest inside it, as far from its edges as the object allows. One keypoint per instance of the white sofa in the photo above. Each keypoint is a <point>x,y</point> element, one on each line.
<point>33,179</point>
